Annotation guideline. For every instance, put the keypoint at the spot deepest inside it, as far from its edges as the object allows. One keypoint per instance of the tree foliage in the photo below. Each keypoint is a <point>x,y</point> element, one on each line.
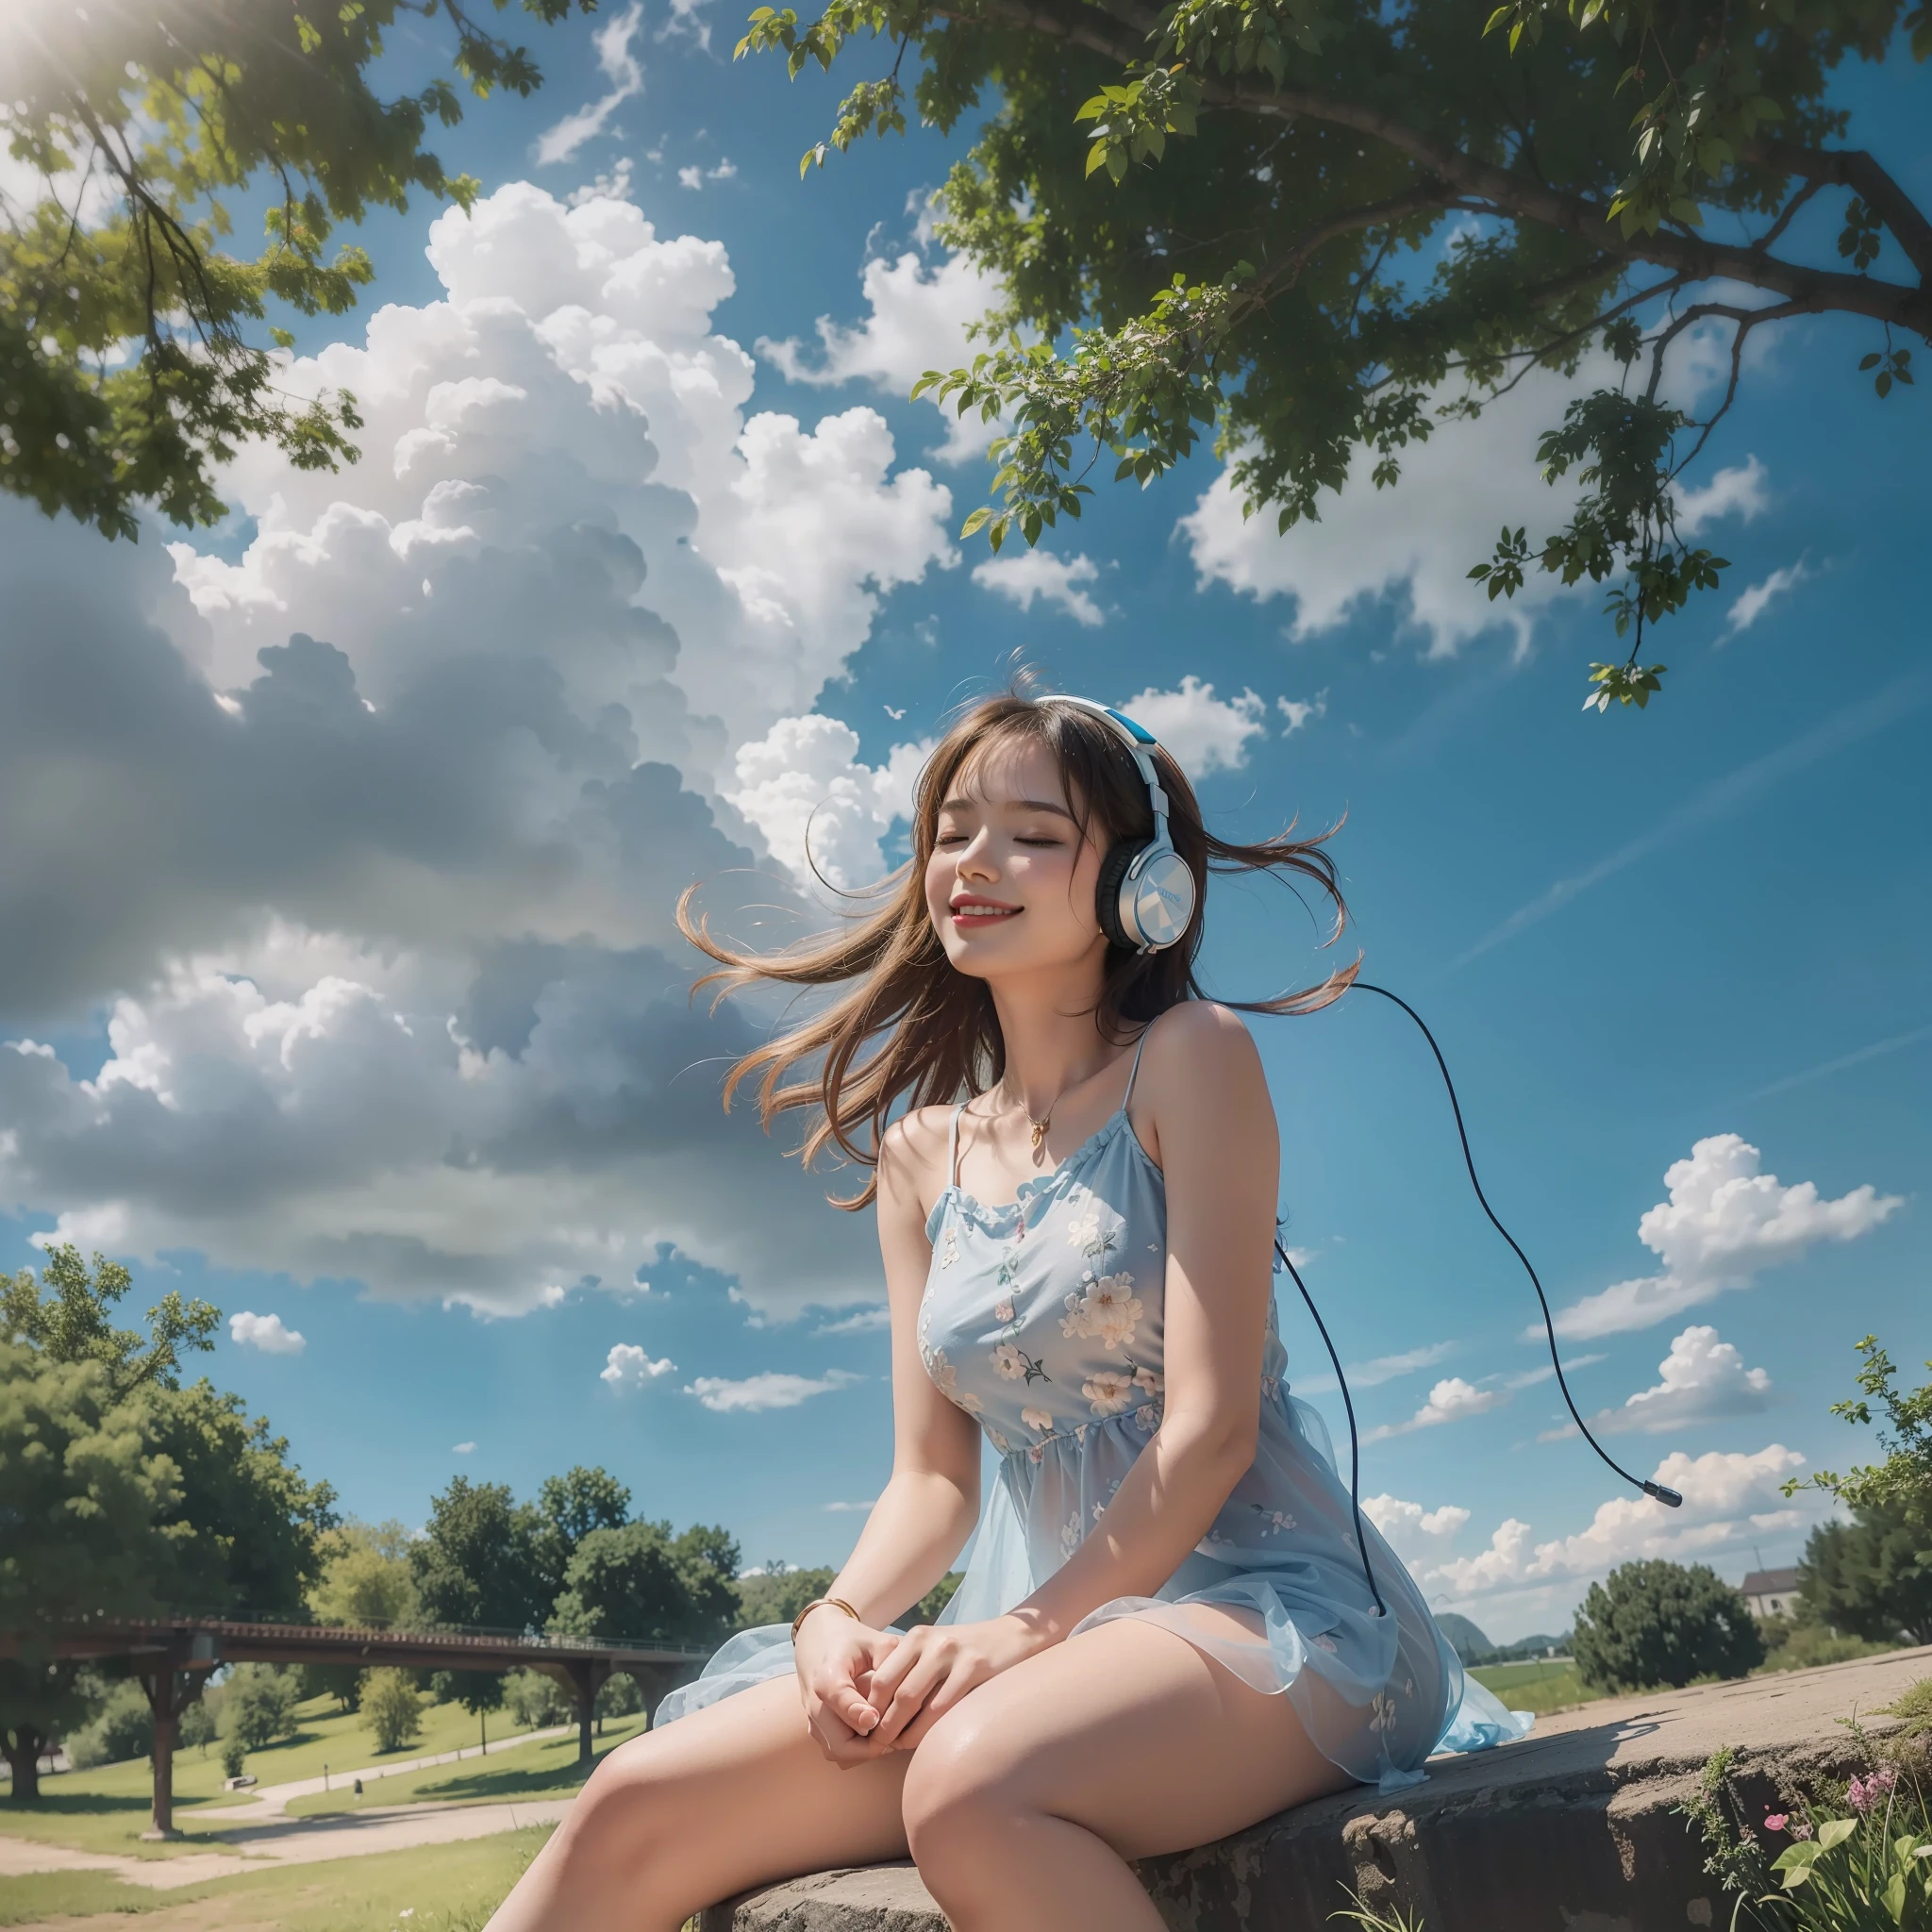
<point>1904,1480</point>
<point>1316,229</point>
<point>129,363</point>
<point>391,1709</point>
<point>639,1581</point>
<point>1660,1622</point>
<point>122,1494</point>
<point>476,1564</point>
<point>1872,1576</point>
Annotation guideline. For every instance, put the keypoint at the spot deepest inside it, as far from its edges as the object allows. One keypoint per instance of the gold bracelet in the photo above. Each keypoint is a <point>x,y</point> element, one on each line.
<point>838,1603</point>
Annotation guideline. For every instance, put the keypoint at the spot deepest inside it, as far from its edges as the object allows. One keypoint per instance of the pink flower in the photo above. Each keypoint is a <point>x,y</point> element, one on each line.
<point>1801,1830</point>
<point>1777,1821</point>
<point>1864,1792</point>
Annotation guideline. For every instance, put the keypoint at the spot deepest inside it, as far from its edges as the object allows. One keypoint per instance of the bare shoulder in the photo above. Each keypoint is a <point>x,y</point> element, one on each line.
<point>912,1152</point>
<point>1201,1063</point>
<point>1201,1038</point>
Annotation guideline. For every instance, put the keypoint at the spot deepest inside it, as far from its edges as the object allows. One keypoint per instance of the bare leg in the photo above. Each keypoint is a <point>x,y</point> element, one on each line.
<point>1026,1802</point>
<point>731,1796</point>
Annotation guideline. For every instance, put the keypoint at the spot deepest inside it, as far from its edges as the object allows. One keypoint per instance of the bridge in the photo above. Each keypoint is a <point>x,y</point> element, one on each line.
<point>173,1656</point>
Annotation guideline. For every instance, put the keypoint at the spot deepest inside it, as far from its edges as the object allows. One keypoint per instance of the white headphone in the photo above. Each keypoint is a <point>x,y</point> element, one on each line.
<point>1146,897</point>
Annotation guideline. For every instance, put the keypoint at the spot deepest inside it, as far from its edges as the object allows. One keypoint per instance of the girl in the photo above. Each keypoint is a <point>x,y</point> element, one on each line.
<point>1165,1633</point>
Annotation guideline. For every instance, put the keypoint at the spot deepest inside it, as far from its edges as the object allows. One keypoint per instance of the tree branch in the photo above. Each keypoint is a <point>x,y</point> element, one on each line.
<point>1513,194</point>
<point>1854,169</point>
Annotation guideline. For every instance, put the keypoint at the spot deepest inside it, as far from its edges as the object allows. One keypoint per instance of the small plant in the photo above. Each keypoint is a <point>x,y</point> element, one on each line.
<point>1857,1856</point>
<point>234,1756</point>
<point>1372,1920</point>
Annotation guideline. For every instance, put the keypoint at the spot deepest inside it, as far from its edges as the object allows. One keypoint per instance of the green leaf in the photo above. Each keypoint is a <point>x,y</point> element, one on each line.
<point>1834,1832</point>
<point>976,522</point>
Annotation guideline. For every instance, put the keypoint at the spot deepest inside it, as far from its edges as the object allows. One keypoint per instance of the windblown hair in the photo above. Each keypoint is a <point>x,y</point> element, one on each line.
<point>914,1026</point>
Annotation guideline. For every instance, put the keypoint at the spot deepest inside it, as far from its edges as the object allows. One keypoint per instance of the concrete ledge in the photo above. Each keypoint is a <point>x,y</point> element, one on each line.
<point>1569,1831</point>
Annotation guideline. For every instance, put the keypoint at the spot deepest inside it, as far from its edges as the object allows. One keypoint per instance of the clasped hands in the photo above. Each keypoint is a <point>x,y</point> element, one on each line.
<point>869,1691</point>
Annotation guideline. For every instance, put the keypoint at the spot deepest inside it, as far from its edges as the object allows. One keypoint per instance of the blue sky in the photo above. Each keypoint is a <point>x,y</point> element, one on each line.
<point>401,1055</point>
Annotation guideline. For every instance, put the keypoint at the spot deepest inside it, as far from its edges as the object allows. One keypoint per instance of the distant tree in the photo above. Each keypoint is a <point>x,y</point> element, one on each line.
<point>776,1595</point>
<point>121,1727</point>
<point>476,1563</point>
<point>569,1507</point>
<point>926,1610</point>
<point>259,1705</point>
<point>537,1700</point>
<point>243,1525</point>
<point>365,1581</point>
<point>85,1494</point>
<point>1872,1576</point>
<point>199,1725</point>
<point>1658,1623</point>
<point>124,323</point>
<point>67,1315</point>
<point>391,1709</point>
<point>707,1560</point>
<point>625,1583</point>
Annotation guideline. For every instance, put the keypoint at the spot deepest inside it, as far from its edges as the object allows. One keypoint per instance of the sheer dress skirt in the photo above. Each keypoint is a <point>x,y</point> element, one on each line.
<point>1376,1693</point>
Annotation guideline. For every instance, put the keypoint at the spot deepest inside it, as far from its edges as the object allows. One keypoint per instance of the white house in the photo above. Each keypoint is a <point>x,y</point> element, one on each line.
<point>1771,1592</point>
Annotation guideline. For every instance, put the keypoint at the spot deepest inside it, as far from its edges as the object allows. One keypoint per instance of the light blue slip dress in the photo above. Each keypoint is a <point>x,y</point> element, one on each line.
<point>1043,1319</point>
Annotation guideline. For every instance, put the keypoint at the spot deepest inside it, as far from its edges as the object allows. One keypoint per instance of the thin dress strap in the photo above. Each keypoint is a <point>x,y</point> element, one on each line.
<point>1134,1072</point>
<point>953,1148</point>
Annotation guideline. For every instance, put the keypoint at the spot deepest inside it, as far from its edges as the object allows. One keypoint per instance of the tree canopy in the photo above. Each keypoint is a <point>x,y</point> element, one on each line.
<point>1660,1622</point>
<point>129,365</point>
<point>1319,228</point>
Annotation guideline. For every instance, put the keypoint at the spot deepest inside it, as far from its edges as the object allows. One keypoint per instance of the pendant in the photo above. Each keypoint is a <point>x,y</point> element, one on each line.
<point>1040,1129</point>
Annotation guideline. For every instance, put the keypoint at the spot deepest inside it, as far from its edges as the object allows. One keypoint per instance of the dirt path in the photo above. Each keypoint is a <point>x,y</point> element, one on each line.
<point>281,1841</point>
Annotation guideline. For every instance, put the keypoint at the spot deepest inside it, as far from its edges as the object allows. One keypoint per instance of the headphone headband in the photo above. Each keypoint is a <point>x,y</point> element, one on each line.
<point>1146,893</point>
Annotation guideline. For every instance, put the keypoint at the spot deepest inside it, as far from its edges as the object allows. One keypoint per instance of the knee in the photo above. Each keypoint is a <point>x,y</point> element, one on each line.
<point>956,1806</point>
<point>626,1800</point>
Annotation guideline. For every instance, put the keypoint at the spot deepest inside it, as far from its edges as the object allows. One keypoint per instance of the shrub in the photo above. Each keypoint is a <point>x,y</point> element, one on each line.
<point>121,1727</point>
<point>259,1705</point>
<point>1660,1622</point>
<point>196,1726</point>
<point>537,1701</point>
<point>391,1709</point>
<point>233,1758</point>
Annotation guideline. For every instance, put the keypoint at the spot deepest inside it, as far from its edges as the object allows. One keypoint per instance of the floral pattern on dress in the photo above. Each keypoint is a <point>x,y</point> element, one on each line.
<point>1104,1309</point>
<point>1107,1391</point>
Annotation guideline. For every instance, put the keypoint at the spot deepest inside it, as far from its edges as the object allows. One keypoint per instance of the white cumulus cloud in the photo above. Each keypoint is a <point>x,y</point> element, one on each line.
<point>918,315</point>
<point>1701,1380</point>
<point>265,1332</point>
<point>816,805</point>
<point>771,1389</point>
<point>627,1366</point>
<point>1452,1400</point>
<point>1738,493</point>
<point>1724,1223</point>
<point>1727,1497</point>
<point>1205,733</point>
<point>1021,575</point>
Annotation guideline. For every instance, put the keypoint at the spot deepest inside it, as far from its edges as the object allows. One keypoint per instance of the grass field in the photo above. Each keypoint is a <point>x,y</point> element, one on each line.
<point>107,1810</point>
<point>443,1888</point>
<point>547,1768</point>
<point>1540,1684</point>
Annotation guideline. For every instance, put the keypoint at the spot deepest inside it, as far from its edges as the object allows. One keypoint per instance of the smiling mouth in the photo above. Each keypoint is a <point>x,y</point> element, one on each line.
<point>981,912</point>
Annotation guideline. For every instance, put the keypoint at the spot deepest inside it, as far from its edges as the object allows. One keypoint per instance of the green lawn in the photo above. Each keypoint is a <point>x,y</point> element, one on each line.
<point>1540,1684</point>
<point>546,1768</point>
<point>107,1808</point>
<point>443,1888</point>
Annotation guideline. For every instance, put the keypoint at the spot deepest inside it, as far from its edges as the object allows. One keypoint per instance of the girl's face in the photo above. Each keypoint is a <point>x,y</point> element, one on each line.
<point>1009,885</point>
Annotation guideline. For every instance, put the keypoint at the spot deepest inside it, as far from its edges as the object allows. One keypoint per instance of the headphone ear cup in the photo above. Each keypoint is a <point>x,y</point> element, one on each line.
<point>1107,892</point>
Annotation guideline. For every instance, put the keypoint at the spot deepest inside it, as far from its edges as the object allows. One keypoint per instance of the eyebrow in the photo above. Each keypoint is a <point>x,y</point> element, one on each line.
<point>1051,804</point>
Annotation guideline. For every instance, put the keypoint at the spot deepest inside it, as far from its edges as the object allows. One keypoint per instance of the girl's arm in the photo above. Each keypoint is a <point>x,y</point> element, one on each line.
<point>928,1508</point>
<point>1212,1129</point>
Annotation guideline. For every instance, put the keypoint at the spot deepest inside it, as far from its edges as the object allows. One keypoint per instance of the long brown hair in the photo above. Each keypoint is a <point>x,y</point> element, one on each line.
<point>932,1031</point>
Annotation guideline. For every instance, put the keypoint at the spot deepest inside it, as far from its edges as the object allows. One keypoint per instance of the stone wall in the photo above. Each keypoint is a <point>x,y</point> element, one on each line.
<point>1572,1829</point>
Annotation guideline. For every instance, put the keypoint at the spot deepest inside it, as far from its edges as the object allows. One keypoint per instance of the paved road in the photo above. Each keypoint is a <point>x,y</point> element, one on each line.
<point>279,1841</point>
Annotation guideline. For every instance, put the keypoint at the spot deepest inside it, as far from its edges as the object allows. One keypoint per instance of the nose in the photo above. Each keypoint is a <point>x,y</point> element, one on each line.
<point>976,857</point>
